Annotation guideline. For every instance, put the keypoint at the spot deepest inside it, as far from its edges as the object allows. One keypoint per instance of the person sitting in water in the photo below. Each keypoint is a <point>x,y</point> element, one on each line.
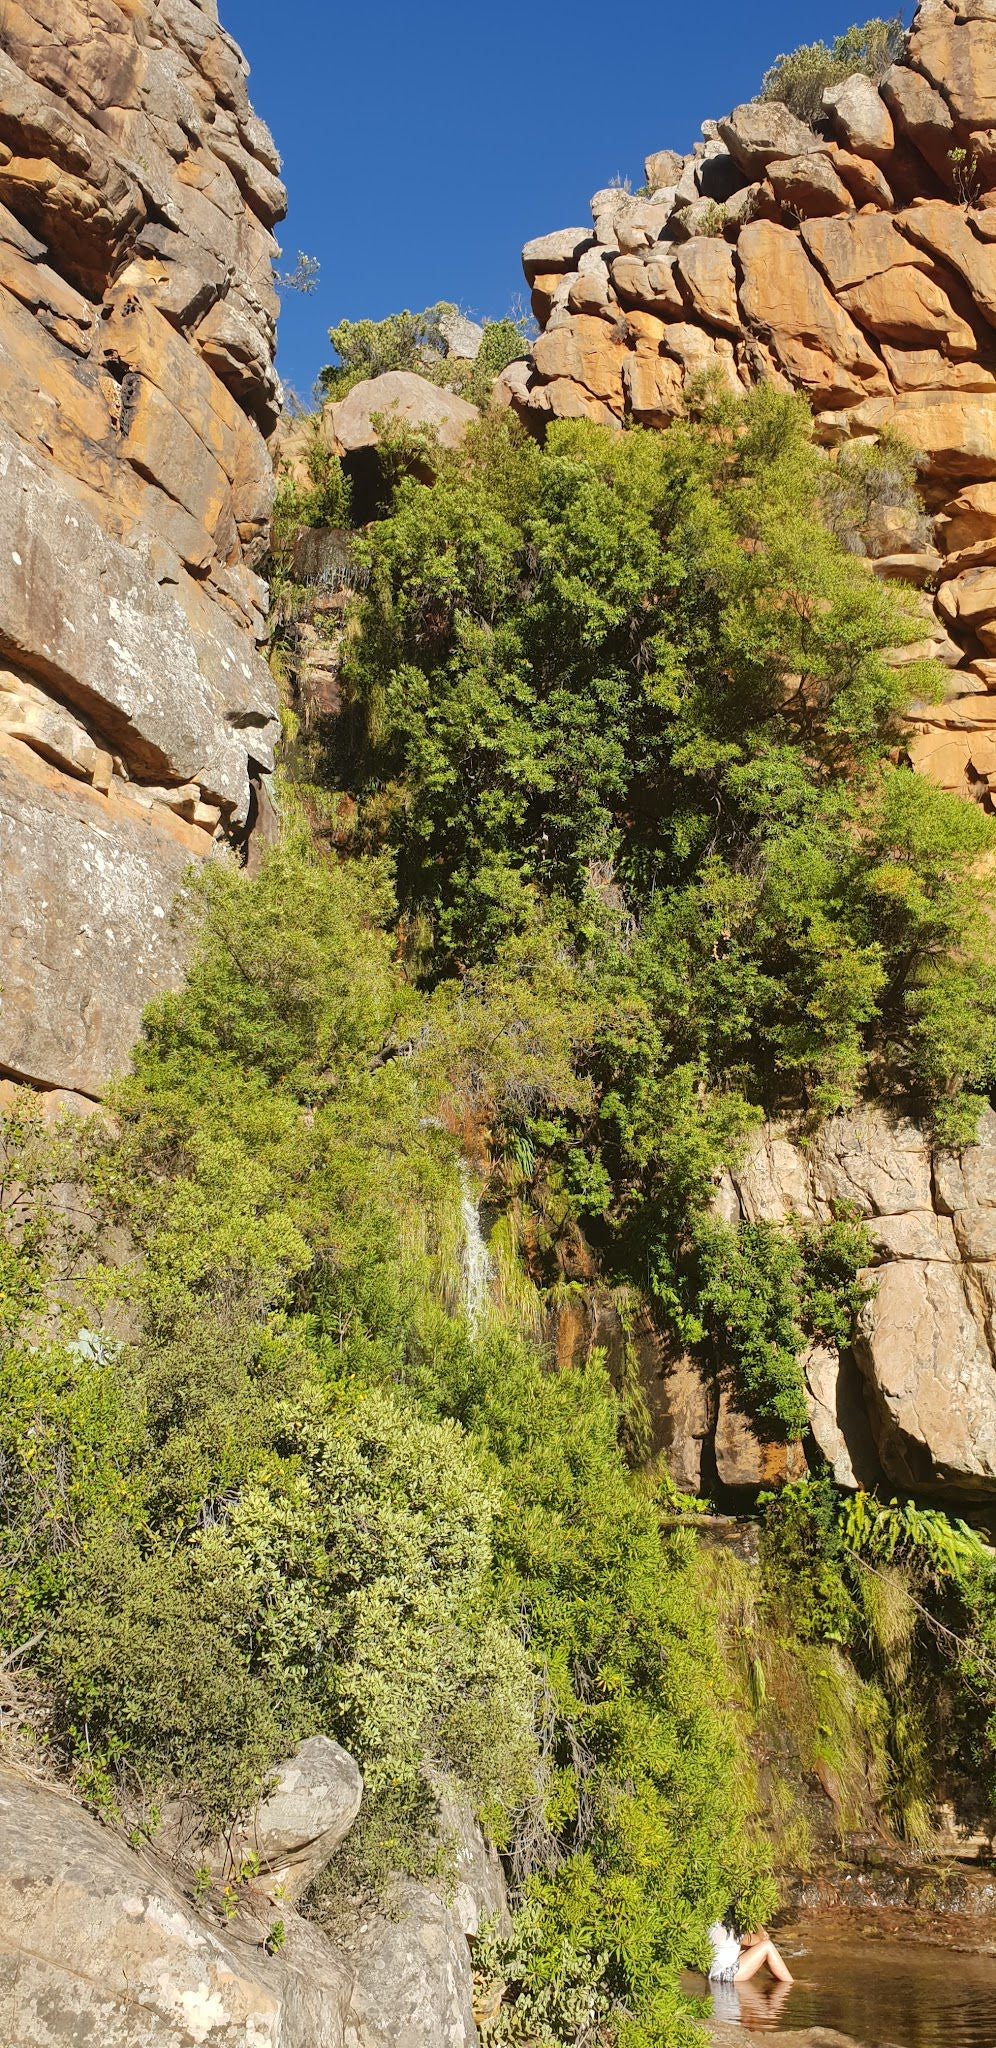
<point>736,1958</point>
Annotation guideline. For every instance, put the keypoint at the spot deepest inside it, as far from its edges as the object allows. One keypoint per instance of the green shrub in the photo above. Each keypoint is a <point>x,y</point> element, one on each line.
<point>800,78</point>
<point>370,348</point>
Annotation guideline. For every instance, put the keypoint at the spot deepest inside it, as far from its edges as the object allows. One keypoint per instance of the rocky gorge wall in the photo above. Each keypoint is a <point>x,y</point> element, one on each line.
<point>138,198</point>
<point>856,265</point>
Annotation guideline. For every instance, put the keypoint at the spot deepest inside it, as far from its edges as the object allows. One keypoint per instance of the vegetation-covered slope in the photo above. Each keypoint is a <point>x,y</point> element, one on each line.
<point>610,853</point>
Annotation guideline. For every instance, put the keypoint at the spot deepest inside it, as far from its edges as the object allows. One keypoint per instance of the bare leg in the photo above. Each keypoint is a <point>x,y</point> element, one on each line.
<point>754,1959</point>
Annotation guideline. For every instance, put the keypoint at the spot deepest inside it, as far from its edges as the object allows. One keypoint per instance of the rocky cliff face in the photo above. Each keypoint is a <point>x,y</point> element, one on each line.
<point>103,1943</point>
<point>138,194</point>
<point>856,265</point>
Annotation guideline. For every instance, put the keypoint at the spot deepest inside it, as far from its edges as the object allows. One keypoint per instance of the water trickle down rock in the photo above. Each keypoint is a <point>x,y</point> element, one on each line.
<point>475,1263</point>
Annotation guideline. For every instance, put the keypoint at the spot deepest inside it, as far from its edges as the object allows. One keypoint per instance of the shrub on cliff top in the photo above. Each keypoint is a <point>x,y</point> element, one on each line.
<point>800,78</point>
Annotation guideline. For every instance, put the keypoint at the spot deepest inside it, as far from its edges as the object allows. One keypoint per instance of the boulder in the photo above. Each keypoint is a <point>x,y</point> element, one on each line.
<point>860,117</point>
<point>311,1806</point>
<point>705,267</point>
<point>559,252</point>
<point>959,59</point>
<point>968,518</point>
<point>99,1944</point>
<point>589,352</point>
<point>922,114</point>
<point>400,398</point>
<point>808,186</point>
<point>762,132</point>
<point>463,337</point>
<point>413,1983</point>
<point>663,167</point>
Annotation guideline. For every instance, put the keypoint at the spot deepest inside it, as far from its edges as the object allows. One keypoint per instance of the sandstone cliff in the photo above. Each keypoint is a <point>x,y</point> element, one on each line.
<point>856,265</point>
<point>138,194</point>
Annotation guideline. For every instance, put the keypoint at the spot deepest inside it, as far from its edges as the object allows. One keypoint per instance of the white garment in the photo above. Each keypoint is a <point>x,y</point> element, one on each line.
<point>725,1951</point>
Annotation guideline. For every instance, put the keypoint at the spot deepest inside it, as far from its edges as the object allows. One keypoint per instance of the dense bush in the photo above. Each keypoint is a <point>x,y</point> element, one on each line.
<point>800,78</point>
<point>275,1485</point>
<point>417,341</point>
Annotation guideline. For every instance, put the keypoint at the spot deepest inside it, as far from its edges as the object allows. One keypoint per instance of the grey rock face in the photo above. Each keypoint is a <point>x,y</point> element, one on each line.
<point>100,1949</point>
<point>479,1895</point>
<point>763,132</point>
<point>88,890</point>
<point>463,337</point>
<point>402,396</point>
<point>926,1344</point>
<point>138,193</point>
<point>301,1822</point>
<point>118,646</point>
<point>413,1981</point>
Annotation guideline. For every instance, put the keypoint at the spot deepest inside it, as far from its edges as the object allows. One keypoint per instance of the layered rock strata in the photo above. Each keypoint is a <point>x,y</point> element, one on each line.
<point>857,265</point>
<point>138,198</point>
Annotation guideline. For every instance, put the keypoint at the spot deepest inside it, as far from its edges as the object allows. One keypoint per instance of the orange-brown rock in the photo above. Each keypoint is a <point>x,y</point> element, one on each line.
<point>138,194</point>
<point>922,115</point>
<point>865,181</point>
<point>946,232</point>
<point>707,271</point>
<point>958,57</point>
<point>588,351</point>
<point>969,518</point>
<point>889,287</point>
<point>783,296</point>
<point>809,185</point>
<point>864,273</point>
<point>654,388</point>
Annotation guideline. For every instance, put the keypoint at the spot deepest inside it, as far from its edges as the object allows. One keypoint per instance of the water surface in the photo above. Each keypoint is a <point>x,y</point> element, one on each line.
<point>885,1991</point>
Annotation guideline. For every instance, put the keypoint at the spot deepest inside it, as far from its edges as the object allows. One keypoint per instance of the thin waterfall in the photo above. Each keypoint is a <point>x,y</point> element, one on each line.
<point>475,1261</point>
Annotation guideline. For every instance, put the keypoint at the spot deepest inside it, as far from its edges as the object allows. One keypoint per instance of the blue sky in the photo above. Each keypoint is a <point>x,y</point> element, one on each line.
<point>423,144</point>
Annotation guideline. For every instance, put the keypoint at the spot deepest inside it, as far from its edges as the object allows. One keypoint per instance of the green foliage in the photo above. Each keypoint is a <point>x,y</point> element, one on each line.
<point>800,78</point>
<point>910,1593</point>
<point>631,691</point>
<point>862,481</point>
<point>324,501</point>
<point>574,665</point>
<point>417,341</point>
<point>369,348</point>
<point>763,1293</point>
<point>504,342</point>
<point>642,1800</point>
<point>295,1494</point>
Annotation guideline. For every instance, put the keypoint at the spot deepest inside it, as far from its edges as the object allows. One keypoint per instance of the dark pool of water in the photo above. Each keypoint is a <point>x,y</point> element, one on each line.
<point>882,1990</point>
